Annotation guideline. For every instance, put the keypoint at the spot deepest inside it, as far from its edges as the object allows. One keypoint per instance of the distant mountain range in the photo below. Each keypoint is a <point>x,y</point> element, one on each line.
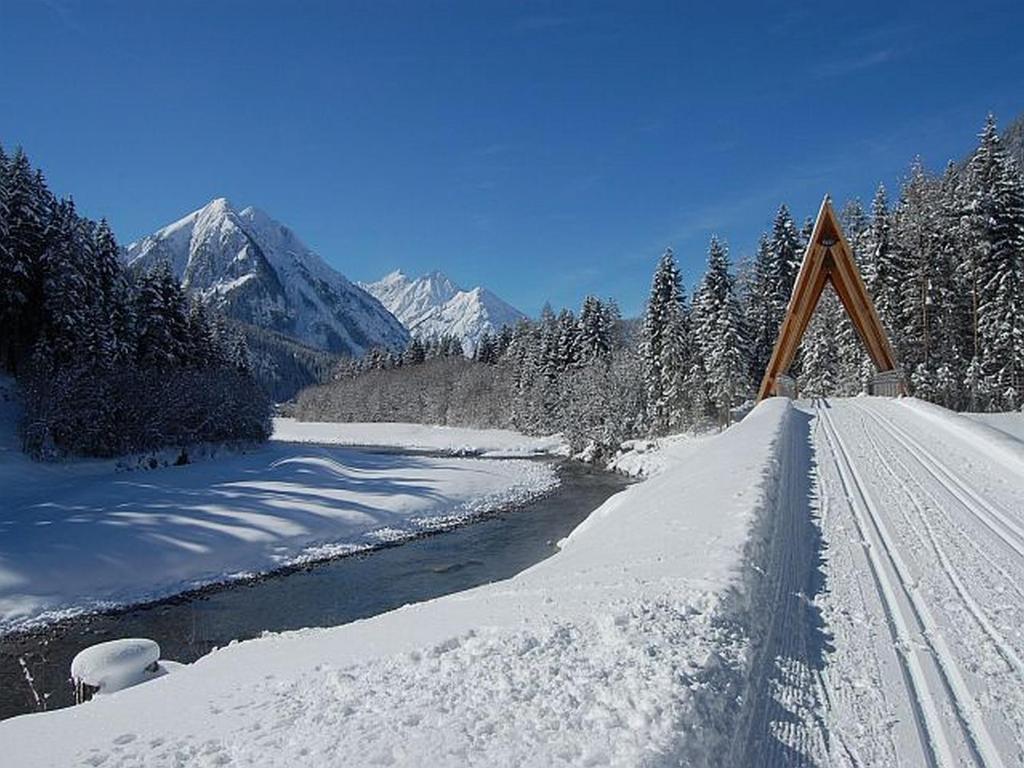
<point>433,305</point>
<point>259,272</point>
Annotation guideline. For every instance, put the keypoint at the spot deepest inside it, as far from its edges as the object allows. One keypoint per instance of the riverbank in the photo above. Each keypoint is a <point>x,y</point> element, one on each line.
<point>34,664</point>
<point>73,542</point>
<point>632,645</point>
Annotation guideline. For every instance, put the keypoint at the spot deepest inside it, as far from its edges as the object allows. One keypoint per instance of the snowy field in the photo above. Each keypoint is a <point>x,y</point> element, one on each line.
<point>1010,423</point>
<point>80,536</point>
<point>630,646</point>
<point>420,437</point>
<point>828,583</point>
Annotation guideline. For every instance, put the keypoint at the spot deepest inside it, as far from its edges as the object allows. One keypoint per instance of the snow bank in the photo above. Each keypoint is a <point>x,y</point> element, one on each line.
<point>627,647</point>
<point>421,437</point>
<point>1011,423</point>
<point>647,458</point>
<point>995,442</point>
<point>73,541</point>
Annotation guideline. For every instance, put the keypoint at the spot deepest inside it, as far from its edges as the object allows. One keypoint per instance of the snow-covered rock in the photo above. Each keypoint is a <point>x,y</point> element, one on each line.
<point>433,305</point>
<point>259,272</point>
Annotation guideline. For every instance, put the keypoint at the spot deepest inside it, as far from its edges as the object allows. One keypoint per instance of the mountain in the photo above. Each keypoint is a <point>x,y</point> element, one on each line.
<point>433,305</point>
<point>259,272</point>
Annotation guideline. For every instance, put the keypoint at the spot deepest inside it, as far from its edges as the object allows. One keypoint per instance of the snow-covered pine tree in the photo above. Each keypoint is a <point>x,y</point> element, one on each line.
<point>882,269</point>
<point>853,361</point>
<point>721,334</point>
<point>65,288</point>
<point>762,309</point>
<point>664,337</point>
<point>594,332</point>
<point>21,299</point>
<point>786,250</point>
<point>415,353</point>
<point>994,220</point>
<point>201,346</point>
<point>567,351</point>
<point>915,243</point>
<point>819,349</point>
<point>485,349</point>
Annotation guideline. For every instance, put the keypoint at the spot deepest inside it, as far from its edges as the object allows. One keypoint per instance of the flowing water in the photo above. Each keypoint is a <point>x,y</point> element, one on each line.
<point>34,666</point>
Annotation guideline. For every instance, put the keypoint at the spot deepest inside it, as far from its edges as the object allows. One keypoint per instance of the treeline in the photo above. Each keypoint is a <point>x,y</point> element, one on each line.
<point>281,365</point>
<point>109,362</point>
<point>575,374</point>
<point>945,265</point>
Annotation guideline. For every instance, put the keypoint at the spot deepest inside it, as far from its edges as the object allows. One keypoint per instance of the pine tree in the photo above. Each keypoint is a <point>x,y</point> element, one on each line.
<point>915,243</point>
<point>65,288</point>
<point>785,259</point>
<point>415,353</point>
<point>21,290</point>
<point>664,339</point>
<point>762,309</point>
<point>595,342</point>
<point>995,226</point>
<point>721,335</point>
<point>882,271</point>
<point>819,349</point>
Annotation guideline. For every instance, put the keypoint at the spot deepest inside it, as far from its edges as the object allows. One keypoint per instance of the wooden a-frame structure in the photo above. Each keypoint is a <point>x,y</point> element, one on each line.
<point>828,258</point>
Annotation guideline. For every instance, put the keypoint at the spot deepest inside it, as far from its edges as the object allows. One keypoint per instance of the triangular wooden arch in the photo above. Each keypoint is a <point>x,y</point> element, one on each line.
<point>828,258</point>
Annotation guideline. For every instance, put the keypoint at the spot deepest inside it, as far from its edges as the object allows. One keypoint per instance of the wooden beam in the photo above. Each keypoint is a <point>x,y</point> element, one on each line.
<point>827,259</point>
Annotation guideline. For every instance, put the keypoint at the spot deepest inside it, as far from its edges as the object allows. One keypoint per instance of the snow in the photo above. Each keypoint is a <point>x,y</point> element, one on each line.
<point>1011,423</point>
<point>116,664</point>
<point>650,457</point>
<point>491,443</point>
<point>629,646</point>
<point>82,536</point>
<point>433,305</point>
<point>925,558</point>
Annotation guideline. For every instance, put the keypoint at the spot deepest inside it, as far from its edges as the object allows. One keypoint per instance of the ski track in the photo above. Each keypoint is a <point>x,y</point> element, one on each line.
<point>942,543</point>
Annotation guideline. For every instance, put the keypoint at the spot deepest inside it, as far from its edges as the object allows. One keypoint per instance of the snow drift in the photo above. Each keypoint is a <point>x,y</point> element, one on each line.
<point>630,646</point>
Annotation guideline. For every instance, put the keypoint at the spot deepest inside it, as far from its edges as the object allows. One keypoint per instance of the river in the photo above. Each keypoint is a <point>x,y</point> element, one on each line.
<point>34,666</point>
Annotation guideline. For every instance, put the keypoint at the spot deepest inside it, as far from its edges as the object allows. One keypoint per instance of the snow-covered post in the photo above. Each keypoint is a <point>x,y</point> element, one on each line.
<point>115,665</point>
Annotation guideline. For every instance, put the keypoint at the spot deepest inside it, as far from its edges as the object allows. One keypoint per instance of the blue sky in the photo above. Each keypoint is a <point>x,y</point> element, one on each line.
<point>546,150</point>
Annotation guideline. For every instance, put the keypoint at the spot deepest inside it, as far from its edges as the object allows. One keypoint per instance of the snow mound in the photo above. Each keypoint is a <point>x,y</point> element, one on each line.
<point>116,664</point>
<point>983,436</point>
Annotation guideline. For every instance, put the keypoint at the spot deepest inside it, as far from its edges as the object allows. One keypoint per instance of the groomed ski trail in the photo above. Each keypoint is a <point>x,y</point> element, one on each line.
<point>926,616</point>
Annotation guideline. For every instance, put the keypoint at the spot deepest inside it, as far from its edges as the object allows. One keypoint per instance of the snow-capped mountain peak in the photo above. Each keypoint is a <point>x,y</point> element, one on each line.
<point>434,305</point>
<point>260,272</point>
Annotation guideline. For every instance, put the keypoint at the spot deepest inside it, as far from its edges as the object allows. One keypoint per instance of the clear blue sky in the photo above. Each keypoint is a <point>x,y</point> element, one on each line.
<point>546,150</point>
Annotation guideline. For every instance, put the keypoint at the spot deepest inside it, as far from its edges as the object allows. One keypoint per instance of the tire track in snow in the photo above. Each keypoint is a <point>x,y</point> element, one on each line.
<point>921,649</point>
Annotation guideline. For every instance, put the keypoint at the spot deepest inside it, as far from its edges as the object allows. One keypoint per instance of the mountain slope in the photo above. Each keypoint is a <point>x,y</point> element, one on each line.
<point>433,305</point>
<point>260,273</point>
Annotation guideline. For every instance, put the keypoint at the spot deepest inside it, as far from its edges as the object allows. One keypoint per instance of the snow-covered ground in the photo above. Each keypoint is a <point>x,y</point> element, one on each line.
<point>1010,423</point>
<point>831,583</point>
<point>923,518</point>
<point>81,536</point>
<point>632,645</point>
<point>420,437</point>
